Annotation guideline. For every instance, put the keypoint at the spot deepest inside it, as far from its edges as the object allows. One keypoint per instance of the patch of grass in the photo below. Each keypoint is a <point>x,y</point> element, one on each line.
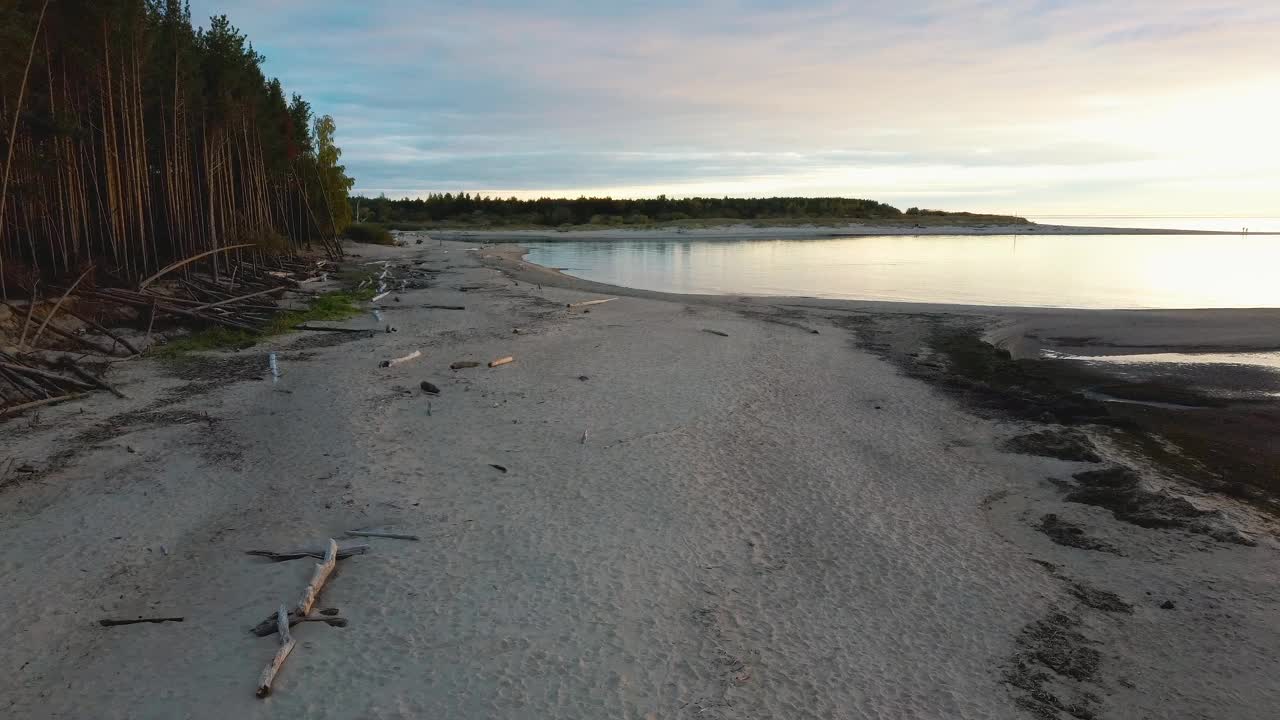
<point>371,233</point>
<point>331,306</point>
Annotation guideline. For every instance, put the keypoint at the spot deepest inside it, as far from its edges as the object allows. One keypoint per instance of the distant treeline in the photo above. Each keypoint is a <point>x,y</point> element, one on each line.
<point>130,139</point>
<point>480,210</point>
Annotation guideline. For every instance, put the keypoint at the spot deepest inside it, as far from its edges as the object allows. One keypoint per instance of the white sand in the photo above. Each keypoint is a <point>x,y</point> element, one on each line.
<point>769,524</point>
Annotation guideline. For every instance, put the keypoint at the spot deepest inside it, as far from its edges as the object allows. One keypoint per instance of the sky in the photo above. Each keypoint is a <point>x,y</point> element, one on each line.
<point>1031,107</point>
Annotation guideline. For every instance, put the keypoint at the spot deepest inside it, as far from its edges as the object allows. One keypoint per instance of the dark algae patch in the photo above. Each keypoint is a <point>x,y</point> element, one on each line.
<point>1222,445</point>
<point>1120,490</point>
<point>1069,534</point>
<point>1052,663</point>
<point>1099,599</point>
<point>1065,444</point>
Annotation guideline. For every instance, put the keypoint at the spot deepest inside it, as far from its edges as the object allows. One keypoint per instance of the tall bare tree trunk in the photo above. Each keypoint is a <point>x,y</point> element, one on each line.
<point>13,136</point>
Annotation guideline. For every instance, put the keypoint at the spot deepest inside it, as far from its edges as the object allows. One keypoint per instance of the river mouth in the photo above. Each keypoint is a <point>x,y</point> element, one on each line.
<point>1217,376</point>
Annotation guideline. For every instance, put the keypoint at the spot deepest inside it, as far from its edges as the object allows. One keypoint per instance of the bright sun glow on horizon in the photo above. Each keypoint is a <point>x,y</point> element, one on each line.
<point>1078,106</point>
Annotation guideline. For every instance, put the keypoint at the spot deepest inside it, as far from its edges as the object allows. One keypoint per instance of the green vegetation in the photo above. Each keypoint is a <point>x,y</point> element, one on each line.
<point>129,139</point>
<point>368,233</point>
<point>330,306</point>
<point>449,210</point>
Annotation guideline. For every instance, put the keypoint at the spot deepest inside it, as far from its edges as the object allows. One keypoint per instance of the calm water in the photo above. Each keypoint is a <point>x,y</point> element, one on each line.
<point>1102,271</point>
<point>1225,224</point>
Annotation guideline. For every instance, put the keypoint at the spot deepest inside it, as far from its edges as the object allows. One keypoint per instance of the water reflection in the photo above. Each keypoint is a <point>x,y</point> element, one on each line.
<point>1100,271</point>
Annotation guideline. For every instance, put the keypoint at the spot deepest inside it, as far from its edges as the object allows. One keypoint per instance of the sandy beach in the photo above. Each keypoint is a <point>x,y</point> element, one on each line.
<point>665,507</point>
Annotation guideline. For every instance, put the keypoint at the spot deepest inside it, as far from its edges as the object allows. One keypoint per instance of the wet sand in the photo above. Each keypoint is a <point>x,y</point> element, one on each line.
<point>781,520</point>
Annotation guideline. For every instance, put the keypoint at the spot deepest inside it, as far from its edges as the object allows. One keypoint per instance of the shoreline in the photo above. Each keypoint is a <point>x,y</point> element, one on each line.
<point>1023,330</point>
<point>1223,415</point>
<point>749,231</point>
<point>796,515</point>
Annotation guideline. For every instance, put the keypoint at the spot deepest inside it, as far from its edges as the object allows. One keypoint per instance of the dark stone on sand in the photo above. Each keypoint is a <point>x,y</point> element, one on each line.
<point>429,388</point>
<point>463,364</point>
<point>1167,605</point>
<point>1065,444</point>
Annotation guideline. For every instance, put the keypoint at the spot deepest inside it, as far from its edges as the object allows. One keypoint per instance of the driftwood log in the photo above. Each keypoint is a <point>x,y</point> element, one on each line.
<point>411,356</point>
<point>381,534</point>
<point>108,622</point>
<point>16,409</point>
<point>309,595</point>
<point>286,646</point>
<point>585,303</point>
<point>502,361</point>
<point>345,552</point>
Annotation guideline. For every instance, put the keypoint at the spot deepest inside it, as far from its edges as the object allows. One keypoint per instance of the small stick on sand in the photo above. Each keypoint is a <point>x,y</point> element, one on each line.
<point>444,307</point>
<point>286,646</point>
<point>584,438</point>
<point>502,361</point>
<point>411,356</point>
<point>381,534</point>
<point>346,552</point>
<point>585,303</point>
<point>715,332</point>
<point>107,622</point>
<point>376,298</point>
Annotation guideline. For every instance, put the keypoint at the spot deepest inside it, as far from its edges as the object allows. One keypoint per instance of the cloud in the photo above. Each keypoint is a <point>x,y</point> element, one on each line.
<point>1011,100</point>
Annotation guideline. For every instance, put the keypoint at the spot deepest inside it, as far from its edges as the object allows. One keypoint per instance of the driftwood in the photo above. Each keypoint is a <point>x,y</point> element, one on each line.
<point>380,534</point>
<point>444,307</point>
<point>228,301</point>
<point>328,616</point>
<point>108,622</point>
<point>31,310</point>
<point>69,336</point>
<point>715,332</point>
<point>57,305</point>
<point>411,356</point>
<point>286,646</point>
<point>502,361</point>
<point>87,321</point>
<point>463,364</point>
<point>285,618</point>
<point>345,552</point>
<point>323,570</point>
<point>47,375</point>
<point>303,608</point>
<point>16,409</point>
<point>183,263</point>
<point>585,303</point>
<point>90,378</point>
<point>378,297</point>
